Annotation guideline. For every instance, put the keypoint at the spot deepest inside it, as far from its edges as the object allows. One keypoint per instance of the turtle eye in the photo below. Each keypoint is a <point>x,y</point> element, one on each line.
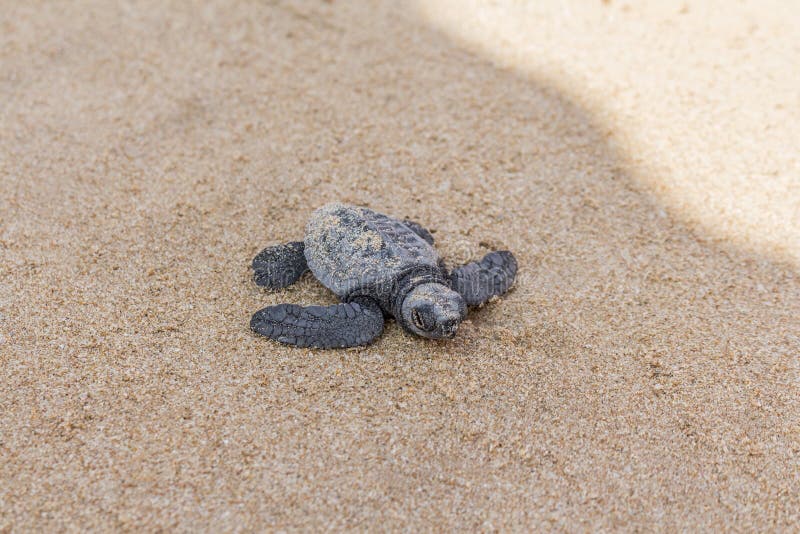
<point>416,318</point>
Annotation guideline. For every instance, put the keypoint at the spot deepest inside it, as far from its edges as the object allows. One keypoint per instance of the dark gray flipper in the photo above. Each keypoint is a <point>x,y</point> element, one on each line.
<point>279,266</point>
<point>324,327</point>
<point>479,281</point>
<point>419,230</point>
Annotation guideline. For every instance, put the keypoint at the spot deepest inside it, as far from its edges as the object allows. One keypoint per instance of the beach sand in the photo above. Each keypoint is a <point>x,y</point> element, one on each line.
<point>643,374</point>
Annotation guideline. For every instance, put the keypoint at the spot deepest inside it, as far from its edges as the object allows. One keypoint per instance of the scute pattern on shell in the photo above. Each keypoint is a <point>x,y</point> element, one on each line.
<point>350,248</point>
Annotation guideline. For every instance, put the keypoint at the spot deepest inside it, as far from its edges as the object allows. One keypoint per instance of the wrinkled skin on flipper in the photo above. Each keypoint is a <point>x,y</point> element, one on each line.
<point>477,282</point>
<point>279,266</point>
<point>324,327</point>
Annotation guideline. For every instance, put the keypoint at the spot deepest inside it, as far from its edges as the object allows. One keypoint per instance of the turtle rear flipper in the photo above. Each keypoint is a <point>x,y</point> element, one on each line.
<point>479,281</point>
<point>278,266</point>
<point>325,327</point>
<point>420,230</point>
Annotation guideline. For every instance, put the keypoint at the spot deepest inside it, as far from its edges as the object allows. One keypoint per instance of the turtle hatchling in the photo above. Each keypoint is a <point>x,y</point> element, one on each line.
<point>379,267</point>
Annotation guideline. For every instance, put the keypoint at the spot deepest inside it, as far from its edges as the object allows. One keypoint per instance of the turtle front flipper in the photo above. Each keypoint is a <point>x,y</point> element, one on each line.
<point>420,231</point>
<point>325,327</point>
<point>479,281</point>
<point>279,266</point>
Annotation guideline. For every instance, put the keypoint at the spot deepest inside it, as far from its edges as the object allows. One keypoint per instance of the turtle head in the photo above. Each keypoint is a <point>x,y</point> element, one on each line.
<point>433,310</point>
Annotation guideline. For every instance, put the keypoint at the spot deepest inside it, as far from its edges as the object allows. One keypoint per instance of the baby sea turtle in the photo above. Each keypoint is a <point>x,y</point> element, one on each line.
<point>378,266</point>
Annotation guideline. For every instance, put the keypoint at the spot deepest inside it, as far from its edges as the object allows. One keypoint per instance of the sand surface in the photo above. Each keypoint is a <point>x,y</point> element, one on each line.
<point>641,163</point>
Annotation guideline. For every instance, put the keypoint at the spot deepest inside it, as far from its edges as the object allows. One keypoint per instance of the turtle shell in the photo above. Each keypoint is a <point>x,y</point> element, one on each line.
<point>353,250</point>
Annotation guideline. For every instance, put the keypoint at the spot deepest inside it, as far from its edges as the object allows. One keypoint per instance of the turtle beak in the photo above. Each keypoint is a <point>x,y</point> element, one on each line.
<point>449,323</point>
<point>449,328</point>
